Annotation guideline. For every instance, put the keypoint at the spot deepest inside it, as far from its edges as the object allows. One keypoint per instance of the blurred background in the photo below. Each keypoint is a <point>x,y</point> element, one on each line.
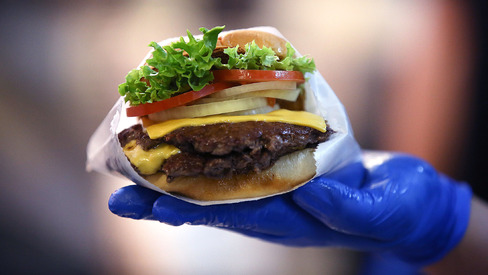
<point>411,74</point>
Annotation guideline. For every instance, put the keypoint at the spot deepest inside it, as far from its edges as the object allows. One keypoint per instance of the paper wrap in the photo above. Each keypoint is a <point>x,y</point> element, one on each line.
<point>105,155</point>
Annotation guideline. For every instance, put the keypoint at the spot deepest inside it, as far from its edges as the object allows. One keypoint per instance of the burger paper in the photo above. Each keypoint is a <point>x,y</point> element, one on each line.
<point>105,154</point>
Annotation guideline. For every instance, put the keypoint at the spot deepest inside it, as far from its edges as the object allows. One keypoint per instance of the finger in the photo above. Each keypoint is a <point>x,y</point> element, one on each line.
<point>342,208</point>
<point>353,173</point>
<point>277,219</point>
<point>276,216</point>
<point>315,234</point>
<point>133,202</point>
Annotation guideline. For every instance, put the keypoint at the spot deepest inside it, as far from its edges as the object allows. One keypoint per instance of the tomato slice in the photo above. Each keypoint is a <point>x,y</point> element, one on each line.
<point>149,108</point>
<point>247,76</point>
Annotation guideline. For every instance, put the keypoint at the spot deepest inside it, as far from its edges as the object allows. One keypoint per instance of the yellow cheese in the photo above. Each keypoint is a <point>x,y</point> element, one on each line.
<point>149,162</point>
<point>286,116</point>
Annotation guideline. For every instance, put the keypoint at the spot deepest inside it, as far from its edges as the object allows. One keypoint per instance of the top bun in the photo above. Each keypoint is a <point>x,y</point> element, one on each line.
<point>262,38</point>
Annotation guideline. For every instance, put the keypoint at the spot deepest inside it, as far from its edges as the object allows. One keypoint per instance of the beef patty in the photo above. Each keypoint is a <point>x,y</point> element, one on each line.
<point>223,149</point>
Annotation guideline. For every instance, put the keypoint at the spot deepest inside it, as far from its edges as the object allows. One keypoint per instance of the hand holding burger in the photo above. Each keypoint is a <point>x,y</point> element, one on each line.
<point>404,209</point>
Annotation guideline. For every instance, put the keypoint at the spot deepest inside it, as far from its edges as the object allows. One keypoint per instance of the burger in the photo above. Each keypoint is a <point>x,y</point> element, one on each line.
<point>221,116</point>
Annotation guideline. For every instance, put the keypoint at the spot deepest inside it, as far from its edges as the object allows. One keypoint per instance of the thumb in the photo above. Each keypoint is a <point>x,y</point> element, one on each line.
<point>340,207</point>
<point>133,202</point>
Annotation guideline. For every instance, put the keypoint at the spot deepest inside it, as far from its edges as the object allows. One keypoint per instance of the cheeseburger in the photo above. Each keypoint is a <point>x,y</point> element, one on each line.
<point>221,116</point>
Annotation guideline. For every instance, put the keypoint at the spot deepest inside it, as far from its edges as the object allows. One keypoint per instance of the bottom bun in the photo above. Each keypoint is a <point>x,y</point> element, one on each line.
<point>288,173</point>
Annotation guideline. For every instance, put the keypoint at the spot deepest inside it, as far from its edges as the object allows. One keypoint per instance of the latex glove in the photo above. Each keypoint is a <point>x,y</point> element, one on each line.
<point>404,207</point>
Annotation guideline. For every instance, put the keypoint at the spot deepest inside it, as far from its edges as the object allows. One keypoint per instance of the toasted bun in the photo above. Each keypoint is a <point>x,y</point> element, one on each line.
<point>242,37</point>
<point>289,172</point>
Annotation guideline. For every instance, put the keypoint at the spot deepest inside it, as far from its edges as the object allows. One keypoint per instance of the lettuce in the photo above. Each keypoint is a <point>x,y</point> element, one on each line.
<point>178,67</point>
<point>256,58</point>
<point>186,65</point>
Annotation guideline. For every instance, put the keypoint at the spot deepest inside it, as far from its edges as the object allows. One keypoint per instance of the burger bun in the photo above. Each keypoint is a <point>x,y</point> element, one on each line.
<point>242,37</point>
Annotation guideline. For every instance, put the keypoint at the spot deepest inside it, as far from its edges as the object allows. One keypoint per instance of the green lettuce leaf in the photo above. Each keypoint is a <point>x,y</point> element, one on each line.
<point>179,67</point>
<point>186,65</point>
<point>256,58</point>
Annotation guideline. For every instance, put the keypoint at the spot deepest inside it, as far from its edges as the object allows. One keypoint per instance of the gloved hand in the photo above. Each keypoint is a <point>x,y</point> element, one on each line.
<point>404,207</point>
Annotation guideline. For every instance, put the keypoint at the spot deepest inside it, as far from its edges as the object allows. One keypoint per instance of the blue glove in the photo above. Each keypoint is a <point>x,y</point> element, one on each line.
<point>404,207</point>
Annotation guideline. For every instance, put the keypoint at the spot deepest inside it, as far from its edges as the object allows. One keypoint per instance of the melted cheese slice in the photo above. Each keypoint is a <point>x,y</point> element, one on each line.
<point>148,162</point>
<point>286,116</point>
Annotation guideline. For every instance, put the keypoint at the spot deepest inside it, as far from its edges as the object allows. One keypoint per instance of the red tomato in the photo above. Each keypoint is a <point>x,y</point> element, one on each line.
<point>149,108</point>
<point>247,76</point>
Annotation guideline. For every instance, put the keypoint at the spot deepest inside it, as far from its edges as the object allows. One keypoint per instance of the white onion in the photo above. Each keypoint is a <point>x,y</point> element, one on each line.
<point>289,95</point>
<point>262,110</point>
<point>208,109</point>
<point>271,85</point>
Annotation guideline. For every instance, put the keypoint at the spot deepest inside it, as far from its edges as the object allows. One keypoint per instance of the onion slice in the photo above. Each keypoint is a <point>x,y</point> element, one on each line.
<point>270,85</point>
<point>288,95</point>
<point>208,109</point>
<point>257,111</point>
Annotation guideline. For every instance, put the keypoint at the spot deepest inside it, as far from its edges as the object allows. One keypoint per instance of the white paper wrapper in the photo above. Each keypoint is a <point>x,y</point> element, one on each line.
<point>105,155</point>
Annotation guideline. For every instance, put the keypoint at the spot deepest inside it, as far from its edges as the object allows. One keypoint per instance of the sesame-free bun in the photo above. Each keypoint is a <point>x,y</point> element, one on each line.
<point>262,38</point>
